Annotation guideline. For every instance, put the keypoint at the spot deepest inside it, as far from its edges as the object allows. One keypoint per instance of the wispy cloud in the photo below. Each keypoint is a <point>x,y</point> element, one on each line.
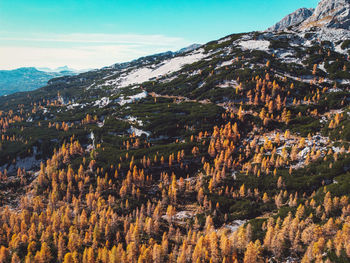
<point>98,38</point>
<point>81,50</point>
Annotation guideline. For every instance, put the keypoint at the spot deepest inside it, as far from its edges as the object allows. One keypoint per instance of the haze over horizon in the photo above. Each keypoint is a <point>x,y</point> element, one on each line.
<point>94,34</point>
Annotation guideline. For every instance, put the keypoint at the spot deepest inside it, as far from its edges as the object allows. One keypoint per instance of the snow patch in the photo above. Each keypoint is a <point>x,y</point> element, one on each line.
<point>332,90</point>
<point>122,101</point>
<point>138,132</point>
<point>180,216</point>
<point>336,149</point>
<point>225,63</point>
<point>72,106</point>
<point>134,120</point>
<point>235,225</point>
<point>27,163</point>
<point>101,124</point>
<point>103,102</point>
<point>183,215</point>
<point>255,44</point>
<point>228,84</point>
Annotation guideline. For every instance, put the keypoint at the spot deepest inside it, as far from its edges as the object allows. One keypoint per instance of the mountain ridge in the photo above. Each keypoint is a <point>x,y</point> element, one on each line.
<point>298,16</point>
<point>329,14</point>
<point>60,69</point>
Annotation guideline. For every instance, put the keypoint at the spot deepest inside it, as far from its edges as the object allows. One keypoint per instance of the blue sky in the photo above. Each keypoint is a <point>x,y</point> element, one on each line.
<point>96,33</point>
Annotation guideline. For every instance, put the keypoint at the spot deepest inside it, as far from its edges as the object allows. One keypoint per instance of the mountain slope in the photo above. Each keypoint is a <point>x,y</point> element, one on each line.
<point>236,151</point>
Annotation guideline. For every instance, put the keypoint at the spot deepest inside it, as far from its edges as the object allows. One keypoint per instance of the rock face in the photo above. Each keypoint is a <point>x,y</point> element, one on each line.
<point>329,14</point>
<point>293,19</point>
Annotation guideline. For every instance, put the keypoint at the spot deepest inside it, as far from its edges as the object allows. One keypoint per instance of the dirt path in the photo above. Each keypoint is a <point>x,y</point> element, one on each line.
<point>178,98</point>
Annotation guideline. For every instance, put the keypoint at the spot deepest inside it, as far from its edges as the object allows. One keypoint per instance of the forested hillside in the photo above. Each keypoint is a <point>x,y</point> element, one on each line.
<point>237,151</point>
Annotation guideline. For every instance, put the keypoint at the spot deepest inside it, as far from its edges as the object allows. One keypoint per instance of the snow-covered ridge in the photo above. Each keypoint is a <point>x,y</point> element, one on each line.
<point>146,73</point>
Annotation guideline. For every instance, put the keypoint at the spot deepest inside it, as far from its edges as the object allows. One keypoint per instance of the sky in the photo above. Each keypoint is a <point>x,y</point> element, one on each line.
<point>86,34</point>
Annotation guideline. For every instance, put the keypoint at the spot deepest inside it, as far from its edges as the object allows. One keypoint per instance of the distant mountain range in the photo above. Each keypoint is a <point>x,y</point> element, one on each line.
<point>60,69</point>
<point>29,78</point>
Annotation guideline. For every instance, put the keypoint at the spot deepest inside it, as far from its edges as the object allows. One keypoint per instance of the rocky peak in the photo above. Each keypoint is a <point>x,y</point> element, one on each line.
<point>329,14</point>
<point>293,19</point>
